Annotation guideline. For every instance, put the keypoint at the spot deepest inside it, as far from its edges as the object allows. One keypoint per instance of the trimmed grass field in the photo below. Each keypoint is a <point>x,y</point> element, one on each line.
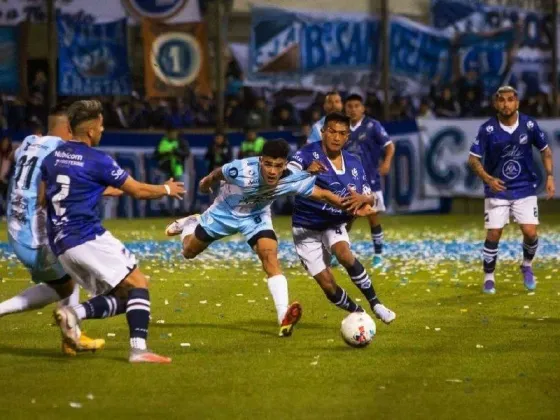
<point>451,353</point>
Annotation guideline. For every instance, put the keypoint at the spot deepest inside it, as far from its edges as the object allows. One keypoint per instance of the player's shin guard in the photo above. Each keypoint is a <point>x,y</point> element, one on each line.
<point>489,257</point>
<point>278,287</point>
<point>341,299</point>
<point>360,278</point>
<point>138,317</point>
<point>377,237</point>
<point>100,307</point>
<point>529,251</point>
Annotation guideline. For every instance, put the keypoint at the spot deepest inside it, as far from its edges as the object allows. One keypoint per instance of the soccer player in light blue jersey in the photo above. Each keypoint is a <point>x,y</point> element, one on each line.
<point>502,156</point>
<point>75,176</point>
<point>333,103</point>
<point>249,186</point>
<point>27,232</point>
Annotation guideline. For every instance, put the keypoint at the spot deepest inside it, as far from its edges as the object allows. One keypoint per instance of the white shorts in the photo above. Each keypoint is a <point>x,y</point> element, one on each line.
<point>99,265</point>
<point>314,247</point>
<point>379,202</point>
<point>525,211</point>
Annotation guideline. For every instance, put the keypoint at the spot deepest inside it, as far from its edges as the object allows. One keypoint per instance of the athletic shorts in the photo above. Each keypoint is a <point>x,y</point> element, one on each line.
<point>497,212</point>
<point>219,226</point>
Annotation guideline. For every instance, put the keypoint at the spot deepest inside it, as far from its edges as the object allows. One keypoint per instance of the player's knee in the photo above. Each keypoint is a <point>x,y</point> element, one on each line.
<point>529,233</point>
<point>494,235</point>
<point>136,279</point>
<point>326,281</point>
<point>189,253</point>
<point>64,290</point>
<point>345,258</point>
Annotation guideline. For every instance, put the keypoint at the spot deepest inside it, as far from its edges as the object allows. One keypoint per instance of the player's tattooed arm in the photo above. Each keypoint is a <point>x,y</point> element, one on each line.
<point>385,166</point>
<point>547,160</point>
<point>205,184</point>
<point>495,184</point>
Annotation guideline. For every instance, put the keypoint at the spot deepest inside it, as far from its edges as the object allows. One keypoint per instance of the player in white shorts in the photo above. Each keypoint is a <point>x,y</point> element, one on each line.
<point>505,144</point>
<point>243,206</point>
<point>27,231</point>
<point>75,176</point>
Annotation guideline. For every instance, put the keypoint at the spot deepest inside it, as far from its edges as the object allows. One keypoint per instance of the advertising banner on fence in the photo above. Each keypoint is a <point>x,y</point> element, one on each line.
<point>175,57</point>
<point>13,12</point>
<point>531,62</point>
<point>92,58</point>
<point>313,50</point>
<point>446,147</point>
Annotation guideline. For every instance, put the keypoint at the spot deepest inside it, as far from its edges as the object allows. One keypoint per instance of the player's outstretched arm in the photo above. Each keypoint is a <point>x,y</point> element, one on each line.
<point>495,184</point>
<point>205,184</point>
<point>112,192</point>
<point>320,194</point>
<point>150,192</point>
<point>547,160</point>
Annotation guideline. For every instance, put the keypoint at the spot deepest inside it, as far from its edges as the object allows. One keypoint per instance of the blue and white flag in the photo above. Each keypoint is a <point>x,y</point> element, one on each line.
<point>9,59</point>
<point>311,49</point>
<point>92,58</point>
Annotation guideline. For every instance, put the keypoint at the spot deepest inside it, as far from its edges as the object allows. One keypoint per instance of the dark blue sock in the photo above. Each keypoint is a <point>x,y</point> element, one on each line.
<point>342,300</point>
<point>530,249</point>
<point>377,237</point>
<point>360,278</point>
<point>489,256</point>
<point>138,314</point>
<point>103,307</point>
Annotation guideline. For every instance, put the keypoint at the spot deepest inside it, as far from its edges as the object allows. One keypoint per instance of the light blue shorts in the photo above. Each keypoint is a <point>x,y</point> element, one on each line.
<point>219,226</point>
<point>41,262</point>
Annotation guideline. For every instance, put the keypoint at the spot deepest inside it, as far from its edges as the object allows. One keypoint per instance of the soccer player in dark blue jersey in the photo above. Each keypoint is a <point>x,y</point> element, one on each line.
<point>502,156</point>
<point>319,229</point>
<point>370,142</point>
<point>75,176</point>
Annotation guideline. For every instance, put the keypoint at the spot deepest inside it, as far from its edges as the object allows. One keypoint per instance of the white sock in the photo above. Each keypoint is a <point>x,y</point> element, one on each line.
<point>80,311</point>
<point>189,229</point>
<point>138,343</point>
<point>278,286</point>
<point>73,299</point>
<point>488,276</point>
<point>527,263</point>
<point>32,298</point>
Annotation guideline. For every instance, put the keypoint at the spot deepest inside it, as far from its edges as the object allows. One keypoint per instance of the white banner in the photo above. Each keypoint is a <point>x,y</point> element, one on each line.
<point>446,151</point>
<point>13,12</point>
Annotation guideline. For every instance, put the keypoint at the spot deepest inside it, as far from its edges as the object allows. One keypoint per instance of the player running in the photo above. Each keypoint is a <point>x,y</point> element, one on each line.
<point>369,141</point>
<point>333,103</point>
<point>506,144</point>
<point>27,232</point>
<point>243,206</point>
<point>75,176</point>
<point>319,229</point>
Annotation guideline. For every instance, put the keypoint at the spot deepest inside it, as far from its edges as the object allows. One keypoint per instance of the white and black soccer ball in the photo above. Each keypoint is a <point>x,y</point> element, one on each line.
<point>358,329</point>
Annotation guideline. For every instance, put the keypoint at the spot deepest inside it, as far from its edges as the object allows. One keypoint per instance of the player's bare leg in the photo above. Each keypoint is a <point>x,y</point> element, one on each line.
<point>530,245</point>
<point>490,256</point>
<point>192,246</point>
<point>288,316</point>
<point>377,238</point>
<point>336,294</point>
<point>360,278</point>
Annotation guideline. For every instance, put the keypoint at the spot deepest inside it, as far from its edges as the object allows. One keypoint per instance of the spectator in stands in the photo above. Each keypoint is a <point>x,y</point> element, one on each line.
<point>140,117</point>
<point>374,107</point>
<point>470,93</point>
<point>252,145</point>
<point>17,115</point>
<point>537,105</point>
<point>444,104</point>
<point>401,109</point>
<point>285,117</point>
<point>258,116</point>
<point>3,119</point>
<point>235,113</point>
<point>36,109</point>
<point>218,153</point>
<point>123,114</point>
<point>39,84</point>
<point>303,135</point>
<point>6,165</point>
<point>204,112</point>
<point>315,116</point>
<point>425,111</point>
<point>179,115</point>
<point>171,153</point>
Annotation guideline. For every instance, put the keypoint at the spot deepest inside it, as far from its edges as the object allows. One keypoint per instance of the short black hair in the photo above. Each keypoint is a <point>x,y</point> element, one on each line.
<point>337,117</point>
<point>332,92</point>
<point>59,110</point>
<point>82,111</point>
<point>355,97</point>
<point>277,148</point>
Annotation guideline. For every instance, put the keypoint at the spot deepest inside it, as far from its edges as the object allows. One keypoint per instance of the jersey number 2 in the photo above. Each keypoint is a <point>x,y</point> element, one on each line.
<point>64,182</point>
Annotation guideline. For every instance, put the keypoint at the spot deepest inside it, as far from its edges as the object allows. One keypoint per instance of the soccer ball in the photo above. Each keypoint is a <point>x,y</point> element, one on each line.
<point>357,329</point>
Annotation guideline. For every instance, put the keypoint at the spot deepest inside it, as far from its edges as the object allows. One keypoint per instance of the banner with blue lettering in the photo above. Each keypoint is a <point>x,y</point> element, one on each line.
<point>9,60</point>
<point>446,147</point>
<point>531,63</point>
<point>92,58</point>
<point>313,50</point>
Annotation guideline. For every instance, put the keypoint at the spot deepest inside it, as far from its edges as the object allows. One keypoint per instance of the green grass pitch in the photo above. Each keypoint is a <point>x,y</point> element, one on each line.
<point>451,353</point>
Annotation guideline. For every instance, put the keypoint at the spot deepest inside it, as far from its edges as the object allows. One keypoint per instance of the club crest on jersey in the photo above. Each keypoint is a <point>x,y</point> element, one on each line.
<point>489,129</point>
<point>362,136</point>
<point>354,173</point>
<point>315,155</point>
<point>523,139</point>
<point>233,172</point>
<point>530,125</point>
<point>511,169</point>
<point>352,187</point>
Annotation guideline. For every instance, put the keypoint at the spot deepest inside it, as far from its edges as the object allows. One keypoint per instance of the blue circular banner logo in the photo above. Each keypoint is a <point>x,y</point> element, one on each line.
<point>155,9</point>
<point>176,58</point>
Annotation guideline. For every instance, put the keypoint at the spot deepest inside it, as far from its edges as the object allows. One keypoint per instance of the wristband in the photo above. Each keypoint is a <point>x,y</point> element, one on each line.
<point>167,189</point>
